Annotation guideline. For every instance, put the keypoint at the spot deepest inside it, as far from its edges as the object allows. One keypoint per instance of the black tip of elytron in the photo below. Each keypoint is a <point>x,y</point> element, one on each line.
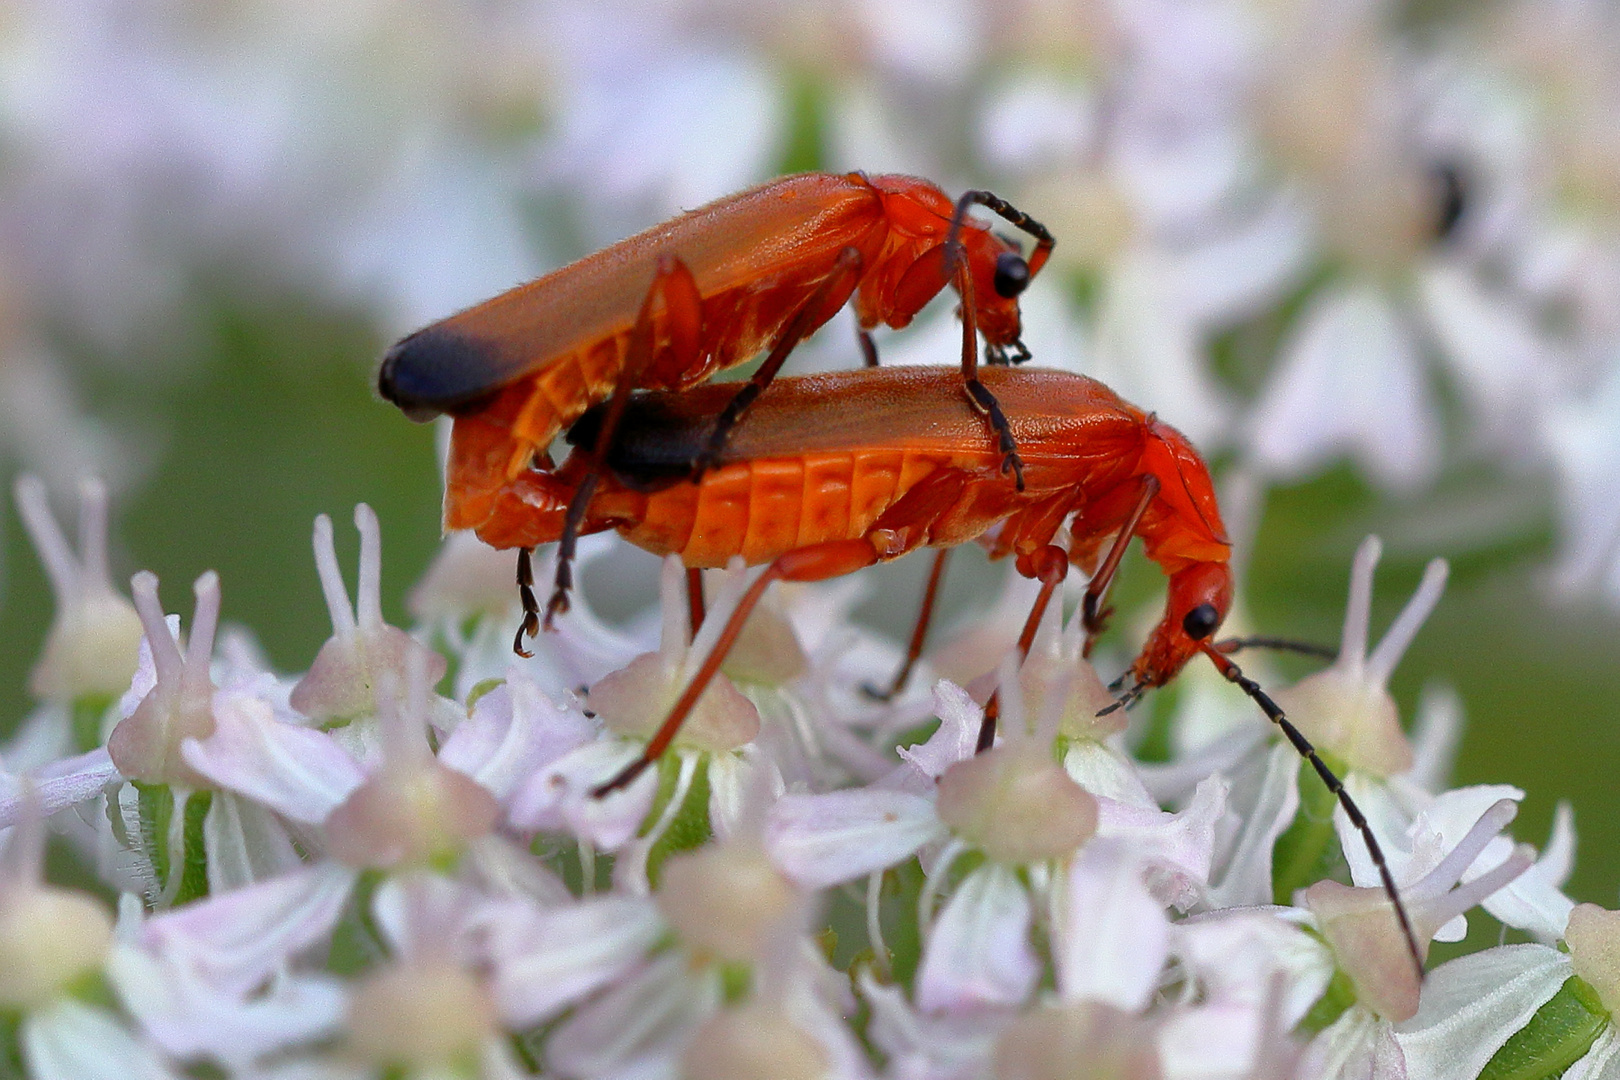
<point>436,370</point>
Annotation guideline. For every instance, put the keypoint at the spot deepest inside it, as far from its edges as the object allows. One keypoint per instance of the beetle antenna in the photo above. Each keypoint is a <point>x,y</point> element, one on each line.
<point>1300,743</point>
<point>1304,648</point>
<point>1044,240</point>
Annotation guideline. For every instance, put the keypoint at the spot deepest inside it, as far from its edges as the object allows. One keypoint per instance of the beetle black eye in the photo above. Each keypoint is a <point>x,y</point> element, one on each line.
<point>1201,621</point>
<point>1012,274</point>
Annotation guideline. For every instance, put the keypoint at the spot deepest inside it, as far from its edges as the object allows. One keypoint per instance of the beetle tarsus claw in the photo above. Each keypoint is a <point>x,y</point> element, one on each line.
<point>528,628</point>
<point>557,605</point>
<point>1014,464</point>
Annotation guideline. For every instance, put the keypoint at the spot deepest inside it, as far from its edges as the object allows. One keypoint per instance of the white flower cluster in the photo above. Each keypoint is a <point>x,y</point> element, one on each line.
<point>349,875</point>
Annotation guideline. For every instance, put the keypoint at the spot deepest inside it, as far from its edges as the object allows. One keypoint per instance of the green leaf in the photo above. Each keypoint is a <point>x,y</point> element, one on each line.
<point>156,805</point>
<point>690,828</point>
<point>1339,996</point>
<point>1308,850</point>
<point>1557,1036</point>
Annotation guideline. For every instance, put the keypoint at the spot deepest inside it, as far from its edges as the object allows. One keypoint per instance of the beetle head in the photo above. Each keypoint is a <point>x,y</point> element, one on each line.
<point>999,273</point>
<point>1200,596</point>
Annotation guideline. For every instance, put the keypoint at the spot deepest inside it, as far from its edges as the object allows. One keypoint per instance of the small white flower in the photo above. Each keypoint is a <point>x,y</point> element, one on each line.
<point>344,681</point>
<point>1346,709</point>
<point>90,650</point>
<point>171,698</point>
<point>53,944</point>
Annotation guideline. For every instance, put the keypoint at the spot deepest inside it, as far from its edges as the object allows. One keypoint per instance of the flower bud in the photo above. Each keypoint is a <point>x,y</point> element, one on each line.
<point>91,647</point>
<point>1593,937</point>
<point>146,744</point>
<point>421,1012</point>
<point>1084,1041</point>
<point>727,900</point>
<point>755,1042</point>
<point>410,815</point>
<point>1017,805</point>
<point>49,938</point>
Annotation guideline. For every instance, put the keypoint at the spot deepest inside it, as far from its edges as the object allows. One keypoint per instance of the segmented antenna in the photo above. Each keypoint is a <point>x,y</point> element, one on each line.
<point>1234,674</point>
<point>1044,240</point>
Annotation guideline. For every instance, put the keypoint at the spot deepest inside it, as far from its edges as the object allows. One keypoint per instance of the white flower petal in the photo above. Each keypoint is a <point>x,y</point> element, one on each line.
<point>560,799</point>
<point>71,1041</point>
<point>190,1018</point>
<point>298,772</point>
<point>1390,820</point>
<point>1210,1042</point>
<point>821,840</point>
<point>235,941</point>
<point>1356,1046</point>
<point>639,1027</point>
<point>245,843</point>
<point>60,785</point>
<point>739,791</point>
<point>1234,954</point>
<point>502,869</point>
<point>547,959</point>
<point>1248,879</point>
<point>1111,937</point>
<point>514,731</point>
<point>416,912</point>
<point>979,953</point>
<point>1178,848</point>
<point>1533,901</point>
<point>1502,366</point>
<point>922,1047</point>
<point>1435,734</point>
<point>1148,347</point>
<point>1471,1005</point>
<point>1245,269</point>
<point>1351,382</point>
<point>1106,774</point>
<point>954,740</point>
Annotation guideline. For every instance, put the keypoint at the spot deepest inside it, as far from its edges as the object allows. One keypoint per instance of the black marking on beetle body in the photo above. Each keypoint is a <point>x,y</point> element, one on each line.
<point>437,370</point>
<point>655,446</point>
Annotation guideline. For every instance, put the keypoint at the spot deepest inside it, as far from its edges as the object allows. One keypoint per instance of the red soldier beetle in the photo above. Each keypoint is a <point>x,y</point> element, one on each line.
<point>669,307</point>
<point>806,489</point>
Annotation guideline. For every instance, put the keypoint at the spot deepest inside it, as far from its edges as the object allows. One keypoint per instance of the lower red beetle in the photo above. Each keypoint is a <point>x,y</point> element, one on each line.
<point>836,472</point>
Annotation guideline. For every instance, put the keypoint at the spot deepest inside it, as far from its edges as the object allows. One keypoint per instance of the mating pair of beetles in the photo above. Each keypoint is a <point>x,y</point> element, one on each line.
<point>816,476</point>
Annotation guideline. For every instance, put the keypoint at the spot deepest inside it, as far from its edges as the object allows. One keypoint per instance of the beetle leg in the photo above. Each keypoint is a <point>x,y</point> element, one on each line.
<point>814,563</point>
<point>1052,566</point>
<point>919,631</point>
<point>831,294</point>
<point>695,611</point>
<point>683,308</point>
<point>1094,613</point>
<point>868,347</point>
<point>530,626</point>
<point>979,394</point>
